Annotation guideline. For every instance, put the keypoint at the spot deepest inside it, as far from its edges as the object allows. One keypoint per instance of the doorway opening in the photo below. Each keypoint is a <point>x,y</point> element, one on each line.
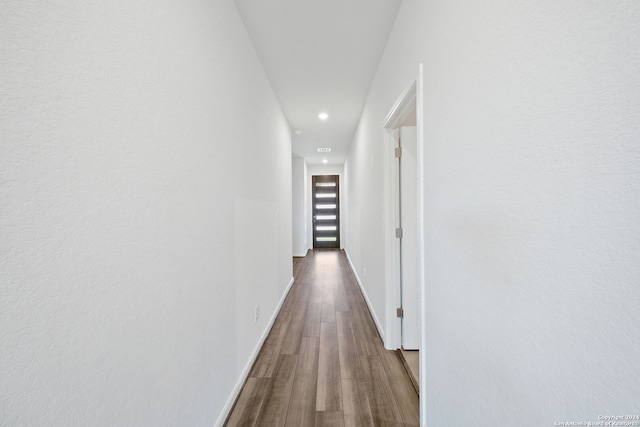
<point>404,242</point>
<point>325,195</point>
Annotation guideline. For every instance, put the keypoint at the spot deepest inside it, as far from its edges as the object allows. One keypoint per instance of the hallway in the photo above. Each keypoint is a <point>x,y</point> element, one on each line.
<point>156,168</point>
<point>323,363</point>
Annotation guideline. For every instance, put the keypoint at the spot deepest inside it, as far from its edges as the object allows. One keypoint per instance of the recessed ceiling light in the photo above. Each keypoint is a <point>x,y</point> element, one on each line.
<point>324,160</point>
<point>297,132</point>
<point>323,116</point>
<point>323,150</point>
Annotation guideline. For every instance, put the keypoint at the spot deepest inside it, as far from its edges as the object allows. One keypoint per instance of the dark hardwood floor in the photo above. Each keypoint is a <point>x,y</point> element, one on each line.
<point>323,364</point>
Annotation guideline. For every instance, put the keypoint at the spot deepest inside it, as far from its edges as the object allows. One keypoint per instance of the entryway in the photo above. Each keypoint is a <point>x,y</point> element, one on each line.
<point>325,195</point>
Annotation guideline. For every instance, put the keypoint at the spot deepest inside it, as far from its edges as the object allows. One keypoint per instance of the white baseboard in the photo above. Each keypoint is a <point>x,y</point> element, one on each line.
<point>366,298</point>
<point>254,355</point>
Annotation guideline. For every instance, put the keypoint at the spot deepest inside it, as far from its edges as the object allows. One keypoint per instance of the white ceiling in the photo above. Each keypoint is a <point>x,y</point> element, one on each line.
<point>320,56</point>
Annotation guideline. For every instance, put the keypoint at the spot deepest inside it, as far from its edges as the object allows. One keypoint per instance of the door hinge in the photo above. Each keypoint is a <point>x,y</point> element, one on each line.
<point>398,152</point>
<point>399,312</point>
<point>399,233</point>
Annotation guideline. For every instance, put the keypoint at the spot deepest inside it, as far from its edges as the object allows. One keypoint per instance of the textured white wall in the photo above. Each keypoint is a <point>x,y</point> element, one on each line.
<point>145,179</point>
<point>532,139</point>
<point>300,208</point>
<point>364,214</point>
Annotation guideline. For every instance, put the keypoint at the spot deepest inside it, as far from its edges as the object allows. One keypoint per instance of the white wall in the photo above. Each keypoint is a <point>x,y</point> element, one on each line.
<point>532,158</point>
<point>323,170</point>
<point>300,207</point>
<point>145,177</point>
<point>363,218</point>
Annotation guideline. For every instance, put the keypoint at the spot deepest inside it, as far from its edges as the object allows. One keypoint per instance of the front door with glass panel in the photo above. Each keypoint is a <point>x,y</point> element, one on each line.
<point>326,211</point>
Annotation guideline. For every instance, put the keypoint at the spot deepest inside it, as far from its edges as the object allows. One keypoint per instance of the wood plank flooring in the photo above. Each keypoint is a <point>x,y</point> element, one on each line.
<point>411,362</point>
<point>323,363</point>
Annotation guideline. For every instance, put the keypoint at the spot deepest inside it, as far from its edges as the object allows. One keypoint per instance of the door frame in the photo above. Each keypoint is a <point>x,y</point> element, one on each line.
<point>325,178</point>
<point>408,207</point>
<point>407,101</point>
<point>413,96</point>
<point>398,113</point>
<point>310,171</point>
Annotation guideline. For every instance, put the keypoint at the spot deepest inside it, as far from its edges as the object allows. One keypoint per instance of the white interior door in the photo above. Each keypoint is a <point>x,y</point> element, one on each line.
<point>410,293</point>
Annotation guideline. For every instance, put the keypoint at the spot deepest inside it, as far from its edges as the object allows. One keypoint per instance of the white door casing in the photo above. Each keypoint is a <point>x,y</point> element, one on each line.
<point>410,292</point>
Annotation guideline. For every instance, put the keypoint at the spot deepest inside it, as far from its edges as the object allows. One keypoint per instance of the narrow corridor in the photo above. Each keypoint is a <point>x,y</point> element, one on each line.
<point>323,364</point>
